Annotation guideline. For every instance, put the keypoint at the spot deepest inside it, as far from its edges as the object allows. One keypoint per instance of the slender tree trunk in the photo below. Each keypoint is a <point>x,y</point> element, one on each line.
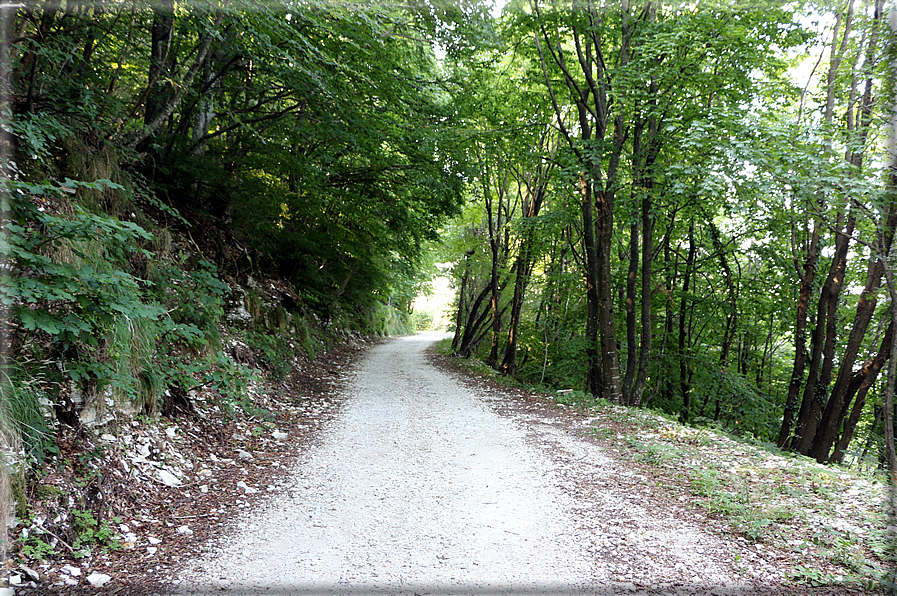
<point>684,376</point>
<point>522,270</point>
<point>671,272</point>
<point>161,103</point>
<point>791,425</point>
<point>823,345</point>
<point>594,379</point>
<point>631,284</point>
<point>597,184</point>
<point>861,382</point>
<point>858,127</point>
<point>888,406</point>
<point>162,60</point>
<point>475,319</point>
<point>647,319</point>
<point>462,295</point>
<point>835,407</point>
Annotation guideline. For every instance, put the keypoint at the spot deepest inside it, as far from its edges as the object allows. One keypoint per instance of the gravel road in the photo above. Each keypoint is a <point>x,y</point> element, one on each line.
<point>419,486</point>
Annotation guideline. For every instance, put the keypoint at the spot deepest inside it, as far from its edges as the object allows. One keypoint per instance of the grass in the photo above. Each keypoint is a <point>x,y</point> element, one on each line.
<point>830,514</point>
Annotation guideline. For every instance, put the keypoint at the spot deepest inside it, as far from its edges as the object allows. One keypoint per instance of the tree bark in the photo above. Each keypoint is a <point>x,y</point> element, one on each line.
<point>162,61</point>
<point>462,295</point>
<point>631,284</point>
<point>597,185</point>
<point>860,383</point>
<point>158,105</point>
<point>823,344</point>
<point>523,268</point>
<point>684,368</point>
<point>858,124</point>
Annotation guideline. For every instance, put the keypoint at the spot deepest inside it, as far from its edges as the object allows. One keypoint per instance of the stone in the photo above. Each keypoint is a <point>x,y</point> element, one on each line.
<point>185,530</point>
<point>167,478</point>
<point>72,570</point>
<point>29,573</point>
<point>98,580</point>
<point>246,488</point>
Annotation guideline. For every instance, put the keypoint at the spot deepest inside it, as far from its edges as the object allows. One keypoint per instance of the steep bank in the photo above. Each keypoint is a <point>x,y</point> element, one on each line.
<point>146,360</point>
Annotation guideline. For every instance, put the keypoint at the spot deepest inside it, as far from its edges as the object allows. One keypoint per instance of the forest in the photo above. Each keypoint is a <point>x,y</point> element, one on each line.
<point>685,206</point>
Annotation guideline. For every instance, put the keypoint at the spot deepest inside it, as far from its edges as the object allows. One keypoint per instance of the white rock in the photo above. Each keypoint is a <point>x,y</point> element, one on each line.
<point>71,570</point>
<point>279,435</point>
<point>29,573</point>
<point>171,431</point>
<point>15,580</point>
<point>98,580</point>
<point>151,550</point>
<point>70,581</point>
<point>244,455</point>
<point>167,478</point>
<point>246,488</point>
<point>185,530</point>
<point>153,540</point>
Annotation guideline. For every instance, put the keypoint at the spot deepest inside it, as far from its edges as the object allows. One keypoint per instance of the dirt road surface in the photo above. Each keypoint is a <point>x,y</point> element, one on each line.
<point>420,486</point>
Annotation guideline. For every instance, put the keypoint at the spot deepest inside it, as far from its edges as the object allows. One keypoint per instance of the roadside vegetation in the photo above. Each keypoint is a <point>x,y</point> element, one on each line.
<point>832,523</point>
<point>684,208</point>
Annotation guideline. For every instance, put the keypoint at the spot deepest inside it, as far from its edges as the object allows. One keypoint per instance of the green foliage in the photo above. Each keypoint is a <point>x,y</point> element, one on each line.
<point>36,548</point>
<point>194,299</point>
<point>387,321</point>
<point>26,411</point>
<point>276,353</point>
<point>91,534</point>
<point>76,295</point>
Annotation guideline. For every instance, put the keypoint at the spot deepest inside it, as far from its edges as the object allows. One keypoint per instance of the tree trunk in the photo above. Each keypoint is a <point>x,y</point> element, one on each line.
<point>594,381</point>
<point>832,416</point>
<point>475,320</point>
<point>861,382</point>
<point>462,295</point>
<point>523,268</point>
<point>823,344</point>
<point>161,61</point>
<point>838,401</point>
<point>631,284</point>
<point>589,95</point>
<point>684,376</point>
<point>888,406</point>
<point>160,103</point>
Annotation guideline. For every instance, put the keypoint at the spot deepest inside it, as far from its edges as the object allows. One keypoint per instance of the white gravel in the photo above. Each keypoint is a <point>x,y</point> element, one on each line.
<point>418,486</point>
